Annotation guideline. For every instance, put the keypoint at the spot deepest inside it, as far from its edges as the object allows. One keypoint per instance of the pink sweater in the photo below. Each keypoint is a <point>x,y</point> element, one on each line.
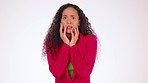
<point>82,56</point>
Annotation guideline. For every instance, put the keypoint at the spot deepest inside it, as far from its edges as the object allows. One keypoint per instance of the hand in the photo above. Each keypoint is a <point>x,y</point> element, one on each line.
<point>74,35</point>
<point>63,34</point>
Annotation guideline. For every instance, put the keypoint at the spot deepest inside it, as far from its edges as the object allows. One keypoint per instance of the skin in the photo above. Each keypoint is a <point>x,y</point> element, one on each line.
<point>69,32</point>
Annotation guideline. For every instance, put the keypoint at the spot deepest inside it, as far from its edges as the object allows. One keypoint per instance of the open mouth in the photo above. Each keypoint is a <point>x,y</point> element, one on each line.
<point>69,27</point>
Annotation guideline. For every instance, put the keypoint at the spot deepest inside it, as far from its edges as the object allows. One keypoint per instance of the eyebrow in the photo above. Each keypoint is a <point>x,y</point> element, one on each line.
<point>70,15</point>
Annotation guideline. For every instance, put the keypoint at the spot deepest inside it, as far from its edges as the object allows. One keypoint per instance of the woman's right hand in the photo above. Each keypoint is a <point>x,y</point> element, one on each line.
<point>63,34</point>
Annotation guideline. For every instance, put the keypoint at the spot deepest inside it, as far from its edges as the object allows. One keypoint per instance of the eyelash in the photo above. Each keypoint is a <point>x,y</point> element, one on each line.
<point>73,17</point>
<point>66,18</point>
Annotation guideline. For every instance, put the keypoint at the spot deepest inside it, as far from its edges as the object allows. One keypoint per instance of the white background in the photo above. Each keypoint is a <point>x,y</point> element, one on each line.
<point>121,25</point>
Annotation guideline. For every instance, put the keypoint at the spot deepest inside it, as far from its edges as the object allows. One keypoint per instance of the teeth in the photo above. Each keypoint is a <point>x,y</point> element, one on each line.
<point>69,27</point>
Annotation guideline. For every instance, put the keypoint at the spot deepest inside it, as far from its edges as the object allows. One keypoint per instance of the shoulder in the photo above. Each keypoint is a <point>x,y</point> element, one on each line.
<point>90,37</point>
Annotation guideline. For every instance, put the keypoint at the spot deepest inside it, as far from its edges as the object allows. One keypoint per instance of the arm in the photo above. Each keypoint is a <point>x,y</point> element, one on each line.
<point>57,65</point>
<point>84,66</point>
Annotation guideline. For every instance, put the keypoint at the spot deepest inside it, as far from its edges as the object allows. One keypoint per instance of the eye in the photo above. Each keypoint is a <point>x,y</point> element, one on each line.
<point>64,17</point>
<point>73,17</point>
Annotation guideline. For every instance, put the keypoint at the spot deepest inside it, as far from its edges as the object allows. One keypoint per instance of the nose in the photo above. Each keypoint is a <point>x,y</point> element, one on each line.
<point>68,21</point>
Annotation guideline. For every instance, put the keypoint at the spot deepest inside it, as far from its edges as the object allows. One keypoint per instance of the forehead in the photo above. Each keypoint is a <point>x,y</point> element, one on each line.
<point>70,11</point>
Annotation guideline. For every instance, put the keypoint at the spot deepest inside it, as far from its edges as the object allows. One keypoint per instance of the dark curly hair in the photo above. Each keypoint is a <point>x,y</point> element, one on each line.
<point>53,34</point>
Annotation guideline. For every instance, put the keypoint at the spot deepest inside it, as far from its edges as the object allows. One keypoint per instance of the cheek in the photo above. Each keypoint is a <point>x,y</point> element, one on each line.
<point>63,22</point>
<point>76,24</point>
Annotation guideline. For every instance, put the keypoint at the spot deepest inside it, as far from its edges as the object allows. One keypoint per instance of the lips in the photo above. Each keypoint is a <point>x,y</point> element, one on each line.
<point>69,27</point>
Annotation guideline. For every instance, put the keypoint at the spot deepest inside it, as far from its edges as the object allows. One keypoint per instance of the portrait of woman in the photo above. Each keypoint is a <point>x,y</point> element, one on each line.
<point>70,46</point>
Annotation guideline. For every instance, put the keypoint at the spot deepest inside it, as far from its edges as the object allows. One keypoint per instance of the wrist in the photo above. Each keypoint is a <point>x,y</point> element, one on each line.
<point>71,44</point>
<point>67,43</point>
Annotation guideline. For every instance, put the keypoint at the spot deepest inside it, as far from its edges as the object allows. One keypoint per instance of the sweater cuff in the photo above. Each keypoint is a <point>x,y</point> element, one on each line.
<point>65,46</point>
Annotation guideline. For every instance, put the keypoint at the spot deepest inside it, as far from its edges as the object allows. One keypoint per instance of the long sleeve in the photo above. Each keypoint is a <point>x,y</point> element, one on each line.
<point>84,66</point>
<point>57,65</point>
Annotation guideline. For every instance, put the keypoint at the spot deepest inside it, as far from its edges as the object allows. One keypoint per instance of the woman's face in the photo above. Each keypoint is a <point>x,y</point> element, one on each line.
<point>70,19</point>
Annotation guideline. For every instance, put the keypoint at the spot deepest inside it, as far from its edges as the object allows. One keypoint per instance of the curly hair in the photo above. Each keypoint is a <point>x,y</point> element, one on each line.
<point>53,34</point>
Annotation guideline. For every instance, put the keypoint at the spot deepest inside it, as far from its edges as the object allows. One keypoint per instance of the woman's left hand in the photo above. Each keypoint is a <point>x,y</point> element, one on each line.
<point>74,35</point>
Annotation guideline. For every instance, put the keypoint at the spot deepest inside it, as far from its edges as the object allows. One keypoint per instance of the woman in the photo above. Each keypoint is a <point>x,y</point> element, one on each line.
<point>70,46</point>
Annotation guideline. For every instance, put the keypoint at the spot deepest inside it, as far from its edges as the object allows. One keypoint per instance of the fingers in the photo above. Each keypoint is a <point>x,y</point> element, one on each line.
<point>64,30</point>
<point>63,34</point>
<point>76,31</point>
<point>72,33</point>
<point>61,28</point>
